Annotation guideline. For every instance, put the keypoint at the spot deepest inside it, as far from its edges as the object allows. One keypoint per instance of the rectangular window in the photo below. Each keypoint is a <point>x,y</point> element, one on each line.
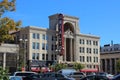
<point>82,50</point>
<point>33,45</point>
<point>87,59</point>
<point>43,56</point>
<point>52,57</point>
<point>94,59</point>
<point>38,46</point>
<point>33,56</point>
<point>33,35</point>
<point>46,56</point>
<point>37,56</point>
<point>43,36</point>
<point>46,46</point>
<point>80,58</point>
<point>52,47</point>
<point>43,46</point>
<point>38,35</point>
<point>83,59</point>
<point>46,37</point>
<point>81,41</point>
<point>55,57</point>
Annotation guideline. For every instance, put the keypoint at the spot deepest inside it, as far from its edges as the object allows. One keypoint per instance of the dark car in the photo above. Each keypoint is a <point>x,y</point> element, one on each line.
<point>55,76</point>
<point>95,77</point>
<point>116,77</point>
<point>33,77</point>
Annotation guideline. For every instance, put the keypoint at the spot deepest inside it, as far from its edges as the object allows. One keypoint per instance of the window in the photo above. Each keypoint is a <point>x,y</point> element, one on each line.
<point>46,56</point>
<point>88,50</point>
<point>33,45</point>
<point>43,46</point>
<point>38,45</point>
<point>33,56</point>
<point>38,36</point>
<point>81,41</point>
<point>43,36</point>
<point>46,37</point>
<point>52,47</point>
<point>46,46</point>
<point>87,59</point>
<point>37,56</point>
<point>82,50</point>
<point>43,56</point>
<point>33,35</point>
<point>52,57</point>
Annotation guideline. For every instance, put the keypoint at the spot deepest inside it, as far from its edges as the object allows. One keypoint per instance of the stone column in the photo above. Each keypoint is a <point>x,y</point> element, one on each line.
<point>115,66</point>
<point>71,50</point>
<point>105,65</point>
<point>110,65</point>
<point>4,60</point>
<point>65,49</point>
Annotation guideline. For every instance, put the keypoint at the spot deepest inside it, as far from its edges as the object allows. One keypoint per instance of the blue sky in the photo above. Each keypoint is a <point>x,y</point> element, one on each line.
<point>97,17</point>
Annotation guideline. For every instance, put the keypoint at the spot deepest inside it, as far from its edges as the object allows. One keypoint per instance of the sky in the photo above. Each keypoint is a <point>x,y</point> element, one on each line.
<point>96,17</point>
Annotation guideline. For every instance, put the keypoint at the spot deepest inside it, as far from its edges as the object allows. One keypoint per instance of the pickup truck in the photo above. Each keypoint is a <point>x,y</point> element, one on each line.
<point>21,74</point>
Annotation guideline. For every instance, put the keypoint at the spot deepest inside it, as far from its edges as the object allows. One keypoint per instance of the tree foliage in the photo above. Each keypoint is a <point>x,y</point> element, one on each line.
<point>7,25</point>
<point>4,74</point>
<point>78,66</point>
<point>6,5</point>
<point>118,66</point>
<point>59,66</point>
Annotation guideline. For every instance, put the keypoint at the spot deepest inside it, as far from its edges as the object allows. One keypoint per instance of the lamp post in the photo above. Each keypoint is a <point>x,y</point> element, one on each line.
<point>24,41</point>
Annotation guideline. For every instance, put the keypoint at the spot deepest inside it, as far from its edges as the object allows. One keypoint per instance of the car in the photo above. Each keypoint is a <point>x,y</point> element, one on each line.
<point>58,76</point>
<point>22,74</point>
<point>116,77</point>
<point>95,77</point>
<point>110,76</point>
<point>77,75</point>
<point>66,72</point>
<point>33,77</point>
<point>16,78</point>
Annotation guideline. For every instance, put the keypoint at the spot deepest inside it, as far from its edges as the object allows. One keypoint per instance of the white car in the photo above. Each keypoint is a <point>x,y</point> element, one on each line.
<point>21,74</point>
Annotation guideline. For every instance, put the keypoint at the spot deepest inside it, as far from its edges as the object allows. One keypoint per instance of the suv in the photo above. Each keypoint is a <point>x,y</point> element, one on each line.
<point>77,75</point>
<point>22,74</point>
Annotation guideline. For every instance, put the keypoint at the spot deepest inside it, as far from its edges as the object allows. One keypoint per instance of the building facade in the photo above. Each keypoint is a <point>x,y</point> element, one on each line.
<point>109,55</point>
<point>44,44</point>
<point>8,56</point>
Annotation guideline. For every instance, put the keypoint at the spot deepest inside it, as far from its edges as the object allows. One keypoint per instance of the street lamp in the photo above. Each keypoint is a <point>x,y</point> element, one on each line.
<point>24,41</point>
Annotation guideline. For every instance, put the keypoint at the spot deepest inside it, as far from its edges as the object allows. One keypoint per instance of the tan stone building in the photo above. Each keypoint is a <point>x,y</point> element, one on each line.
<point>109,54</point>
<point>42,43</point>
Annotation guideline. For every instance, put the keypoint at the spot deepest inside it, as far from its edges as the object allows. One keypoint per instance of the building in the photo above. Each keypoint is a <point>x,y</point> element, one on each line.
<point>61,42</point>
<point>8,56</point>
<point>109,54</point>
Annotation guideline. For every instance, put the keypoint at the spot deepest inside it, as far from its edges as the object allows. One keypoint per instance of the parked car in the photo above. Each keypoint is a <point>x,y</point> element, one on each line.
<point>116,77</point>
<point>33,77</point>
<point>22,74</point>
<point>95,77</point>
<point>58,76</point>
<point>77,75</point>
<point>110,76</point>
<point>66,72</point>
<point>16,78</point>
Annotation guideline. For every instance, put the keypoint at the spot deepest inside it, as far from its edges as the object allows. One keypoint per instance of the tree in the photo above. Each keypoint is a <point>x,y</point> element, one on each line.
<point>78,66</point>
<point>7,25</point>
<point>59,66</point>
<point>118,66</point>
<point>4,74</point>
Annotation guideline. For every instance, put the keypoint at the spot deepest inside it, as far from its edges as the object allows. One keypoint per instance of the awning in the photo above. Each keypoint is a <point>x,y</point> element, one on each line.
<point>89,70</point>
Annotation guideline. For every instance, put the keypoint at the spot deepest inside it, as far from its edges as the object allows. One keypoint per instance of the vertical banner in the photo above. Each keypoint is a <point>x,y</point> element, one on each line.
<point>60,34</point>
